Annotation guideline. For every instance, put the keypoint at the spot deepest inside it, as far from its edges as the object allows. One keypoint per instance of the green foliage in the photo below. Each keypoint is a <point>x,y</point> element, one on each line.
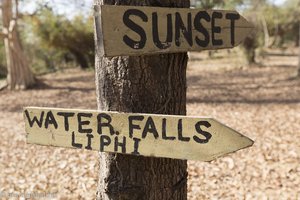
<point>209,4</point>
<point>53,41</point>
<point>232,4</point>
<point>282,21</point>
<point>57,40</point>
<point>226,4</point>
<point>291,22</point>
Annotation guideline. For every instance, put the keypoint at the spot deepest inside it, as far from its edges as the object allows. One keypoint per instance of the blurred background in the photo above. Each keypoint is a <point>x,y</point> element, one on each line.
<point>56,34</point>
<point>254,88</point>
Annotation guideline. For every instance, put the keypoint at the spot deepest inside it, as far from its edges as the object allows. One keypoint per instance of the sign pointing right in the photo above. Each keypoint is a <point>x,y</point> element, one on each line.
<point>138,30</point>
<point>170,136</point>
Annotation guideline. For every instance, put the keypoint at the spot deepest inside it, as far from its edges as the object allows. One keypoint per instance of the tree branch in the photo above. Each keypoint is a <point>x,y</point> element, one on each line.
<point>12,25</point>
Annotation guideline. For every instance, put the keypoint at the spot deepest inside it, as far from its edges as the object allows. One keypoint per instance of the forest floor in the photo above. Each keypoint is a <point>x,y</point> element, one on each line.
<point>261,101</point>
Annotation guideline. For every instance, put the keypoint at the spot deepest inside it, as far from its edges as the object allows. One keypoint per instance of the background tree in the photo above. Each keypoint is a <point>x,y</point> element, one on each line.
<point>209,4</point>
<point>3,69</point>
<point>68,35</point>
<point>298,74</point>
<point>138,84</point>
<point>19,75</point>
<point>291,21</point>
<point>253,12</point>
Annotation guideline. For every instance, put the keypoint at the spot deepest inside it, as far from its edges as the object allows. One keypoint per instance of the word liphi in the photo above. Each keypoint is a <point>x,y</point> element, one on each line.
<point>111,132</point>
<point>170,136</point>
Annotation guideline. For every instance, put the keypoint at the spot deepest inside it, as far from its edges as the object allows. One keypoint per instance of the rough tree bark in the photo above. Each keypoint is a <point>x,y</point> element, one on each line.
<point>145,84</point>
<point>19,75</point>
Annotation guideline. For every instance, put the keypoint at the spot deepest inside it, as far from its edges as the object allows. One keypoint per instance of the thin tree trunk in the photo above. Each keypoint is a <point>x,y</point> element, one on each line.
<point>80,58</point>
<point>299,53</point>
<point>266,32</point>
<point>297,38</point>
<point>145,84</point>
<point>19,75</point>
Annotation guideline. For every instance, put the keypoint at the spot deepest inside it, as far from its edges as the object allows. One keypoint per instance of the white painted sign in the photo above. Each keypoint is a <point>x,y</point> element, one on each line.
<point>138,30</point>
<point>180,137</point>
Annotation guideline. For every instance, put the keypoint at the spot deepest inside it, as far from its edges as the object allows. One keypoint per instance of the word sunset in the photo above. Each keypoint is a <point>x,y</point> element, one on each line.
<point>137,134</point>
<point>129,30</point>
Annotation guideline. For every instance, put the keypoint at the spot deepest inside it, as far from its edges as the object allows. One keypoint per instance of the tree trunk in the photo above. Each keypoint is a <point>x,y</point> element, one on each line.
<point>266,32</point>
<point>299,53</point>
<point>19,75</point>
<point>80,58</point>
<point>249,46</point>
<point>297,38</point>
<point>144,84</point>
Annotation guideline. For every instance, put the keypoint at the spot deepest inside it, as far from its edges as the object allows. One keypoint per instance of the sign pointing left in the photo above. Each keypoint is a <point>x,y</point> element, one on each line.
<point>180,137</point>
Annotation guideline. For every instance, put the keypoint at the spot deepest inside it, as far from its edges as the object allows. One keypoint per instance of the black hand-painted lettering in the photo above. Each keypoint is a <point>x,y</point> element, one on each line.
<point>150,128</point>
<point>207,135</point>
<point>35,119</point>
<point>102,124</point>
<point>136,28</point>
<point>134,126</point>
<point>164,131</point>
<point>232,17</point>
<point>181,28</point>
<point>180,136</point>
<point>155,32</point>
<point>50,119</point>
<point>199,27</point>
<point>66,116</point>
<point>89,141</point>
<point>216,29</point>
<point>136,146</point>
<point>120,144</point>
<point>82,122</point>
<point>74,144</point>
<point>104,141</point>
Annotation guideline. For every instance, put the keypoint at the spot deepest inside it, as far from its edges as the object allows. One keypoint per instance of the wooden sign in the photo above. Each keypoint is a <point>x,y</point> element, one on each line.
<point>137,30</point>
<point>181,137</point>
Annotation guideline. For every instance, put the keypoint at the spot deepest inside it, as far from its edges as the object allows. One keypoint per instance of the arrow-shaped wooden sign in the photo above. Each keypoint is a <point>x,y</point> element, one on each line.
<point>137,30</point>
<point>180,137</point>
